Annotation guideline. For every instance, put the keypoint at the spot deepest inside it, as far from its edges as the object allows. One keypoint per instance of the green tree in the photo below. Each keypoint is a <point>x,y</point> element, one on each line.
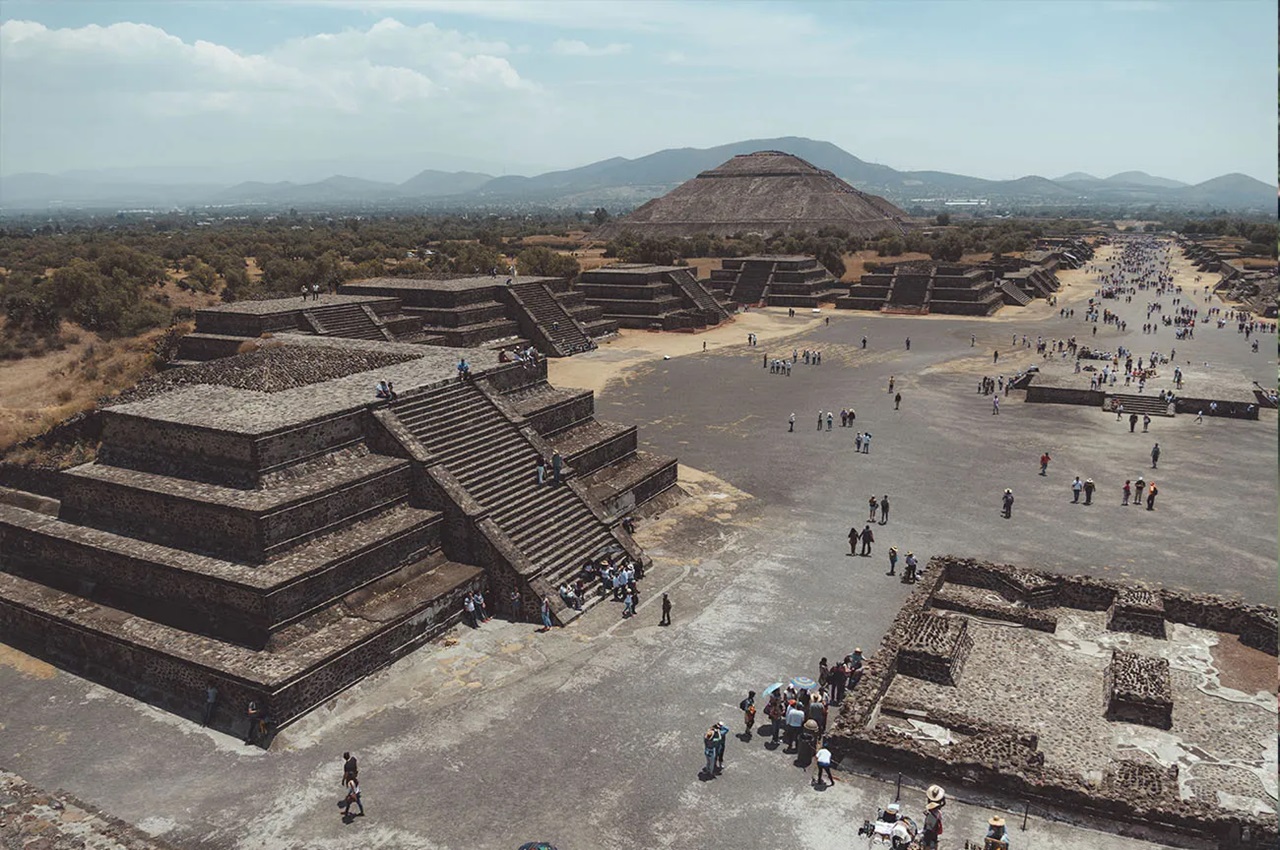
<point>540,260</point>
<point>601,215</point>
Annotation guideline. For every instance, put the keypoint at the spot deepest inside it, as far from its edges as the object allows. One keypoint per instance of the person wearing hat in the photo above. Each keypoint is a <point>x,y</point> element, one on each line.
<point>997,835</point>
<point>1008,503</point>
<point>932,829</point>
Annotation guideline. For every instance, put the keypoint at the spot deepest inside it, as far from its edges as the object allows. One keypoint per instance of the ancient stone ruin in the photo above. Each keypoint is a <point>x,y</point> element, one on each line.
<point>761,193</point>
<point>775,281</point>
<point>454,311</point>
<point>919,287</point>
<point>1137,609</point>
<point>936,648</point>
<point>650,297</point>
<point>1018,720</point>
<point>264,525</point>
<point>1137,690</point>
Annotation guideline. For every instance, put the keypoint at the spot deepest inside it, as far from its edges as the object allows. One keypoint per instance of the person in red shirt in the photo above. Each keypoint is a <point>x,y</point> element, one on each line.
<point>1044,462</point>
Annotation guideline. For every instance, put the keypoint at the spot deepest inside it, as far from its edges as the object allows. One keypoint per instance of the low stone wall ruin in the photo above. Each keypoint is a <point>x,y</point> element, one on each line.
<point>1007,760</point>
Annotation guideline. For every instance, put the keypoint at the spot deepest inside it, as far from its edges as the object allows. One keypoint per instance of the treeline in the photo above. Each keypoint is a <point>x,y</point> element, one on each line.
<point>106,275</point>
<point>943,241</point>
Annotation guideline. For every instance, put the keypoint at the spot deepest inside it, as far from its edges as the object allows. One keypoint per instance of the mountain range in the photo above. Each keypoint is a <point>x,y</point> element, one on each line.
<point>620,184</point>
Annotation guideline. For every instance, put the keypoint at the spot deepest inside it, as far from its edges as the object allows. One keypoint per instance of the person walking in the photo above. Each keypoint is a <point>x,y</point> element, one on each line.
<point>867,539</point>
<point>891,380</point>
<point>557,463</point>
<point>873,505</point>
<point>830,419</point>
<point>748,707</point>
<point>897,401</point>
<point>666,611</point>
<point>908,343</point>
<point>854,536</point>
<point>1146,422</point>
<point>857,443</point>
<point>1155,456</point>
<point>1133,422</point>
<point>864,342</point>
<point>1076,487</point>
<point>893,560</point>
<point>866,442</point>
<point>1044,463</point>
<point>884,510</point>
<point>995,405</point>
<point>1152,492</point>
<point>352,798</point>
<point>823,758</point>
<point>1008,503</point>
<point>1088,491</point>
<point>791,426</point>
<point>1125,491</point>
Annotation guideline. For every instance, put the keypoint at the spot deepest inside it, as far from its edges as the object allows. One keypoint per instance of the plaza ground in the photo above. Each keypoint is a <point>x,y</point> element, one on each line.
<point>590,736</point>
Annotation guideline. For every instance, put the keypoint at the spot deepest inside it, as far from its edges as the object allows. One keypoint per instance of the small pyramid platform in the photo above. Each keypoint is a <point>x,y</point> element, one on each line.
<point>761,193</point>
<point>775,281</point>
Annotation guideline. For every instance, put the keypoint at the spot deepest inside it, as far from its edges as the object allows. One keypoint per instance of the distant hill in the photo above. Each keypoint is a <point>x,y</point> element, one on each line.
<point>620,184</point>
<point>432,183</point>
<point>1142,178</point>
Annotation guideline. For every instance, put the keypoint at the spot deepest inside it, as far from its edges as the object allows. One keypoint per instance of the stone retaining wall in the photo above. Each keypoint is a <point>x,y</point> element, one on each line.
<point>1010,762</point>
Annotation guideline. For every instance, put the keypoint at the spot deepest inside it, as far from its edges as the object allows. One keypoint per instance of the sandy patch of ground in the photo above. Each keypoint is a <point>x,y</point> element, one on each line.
<point>631,348</point>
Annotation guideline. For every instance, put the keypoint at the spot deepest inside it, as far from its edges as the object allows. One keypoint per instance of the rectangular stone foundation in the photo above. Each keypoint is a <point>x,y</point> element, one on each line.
<point>1137,610</point>
<point>936,648</point>
<point>1138,690</point>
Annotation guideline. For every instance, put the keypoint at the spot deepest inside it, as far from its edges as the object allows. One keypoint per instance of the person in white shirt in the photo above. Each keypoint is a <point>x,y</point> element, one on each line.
<point>824,764</point>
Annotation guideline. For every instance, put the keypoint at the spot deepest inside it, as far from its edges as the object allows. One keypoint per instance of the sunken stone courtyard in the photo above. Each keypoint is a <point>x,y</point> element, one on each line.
<point>258,521</point>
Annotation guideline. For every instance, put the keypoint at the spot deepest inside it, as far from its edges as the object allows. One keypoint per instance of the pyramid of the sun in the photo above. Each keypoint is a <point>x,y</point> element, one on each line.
<point>762,192</point>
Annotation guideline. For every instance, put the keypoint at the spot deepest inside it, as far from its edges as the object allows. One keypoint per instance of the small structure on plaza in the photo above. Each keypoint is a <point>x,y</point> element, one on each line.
<point>919,287</point>
<point>1070,697</point>
<point>651,297</point>
<point>266,525</point>
<point>775,281</point>
<point>762,193</point>
<point>1137,689</point>
<point>456,311</point>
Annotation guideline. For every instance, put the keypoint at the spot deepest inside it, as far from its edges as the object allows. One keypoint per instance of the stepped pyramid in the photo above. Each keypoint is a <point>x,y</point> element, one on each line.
<point>762,193</point>
<point>263,525</point>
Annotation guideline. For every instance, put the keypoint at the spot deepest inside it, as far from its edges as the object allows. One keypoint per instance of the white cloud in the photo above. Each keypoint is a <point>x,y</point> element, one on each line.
<point>572,47</point>
<point>109,87</point>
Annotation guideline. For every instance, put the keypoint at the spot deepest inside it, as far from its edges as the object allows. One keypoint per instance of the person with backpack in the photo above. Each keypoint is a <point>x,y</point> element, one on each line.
<point>748,707</point>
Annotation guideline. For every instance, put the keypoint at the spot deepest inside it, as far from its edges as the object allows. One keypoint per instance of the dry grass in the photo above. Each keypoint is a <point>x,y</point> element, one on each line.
<point>39,392</point>
<point>251,268</point>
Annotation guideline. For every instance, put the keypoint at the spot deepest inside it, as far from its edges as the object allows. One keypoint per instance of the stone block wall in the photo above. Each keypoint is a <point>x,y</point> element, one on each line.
<point>1137,610</point>
<point>1138,690</point>
<point>563,414</point>
<point>936,648</point>
<point>1039,393</point>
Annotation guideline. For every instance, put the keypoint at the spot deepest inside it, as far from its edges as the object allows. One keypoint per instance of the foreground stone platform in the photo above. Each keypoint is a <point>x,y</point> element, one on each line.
<point>263,525</point>
<point>1057,707</point>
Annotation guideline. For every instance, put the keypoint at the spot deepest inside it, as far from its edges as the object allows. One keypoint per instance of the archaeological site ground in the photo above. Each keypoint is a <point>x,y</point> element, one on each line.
<point>257,520</point>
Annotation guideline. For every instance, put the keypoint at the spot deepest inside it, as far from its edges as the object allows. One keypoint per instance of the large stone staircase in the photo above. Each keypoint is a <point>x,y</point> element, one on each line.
<point>693,289</point>
<point>1139,404</point>
<point>461,428</point>
<point>541,314</point>
<point>753,283</point>
<point>1013,295</point>
<point>353,321</point>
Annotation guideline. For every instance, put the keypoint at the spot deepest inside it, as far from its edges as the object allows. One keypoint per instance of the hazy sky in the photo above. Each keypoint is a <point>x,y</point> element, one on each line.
<point>998,90</point>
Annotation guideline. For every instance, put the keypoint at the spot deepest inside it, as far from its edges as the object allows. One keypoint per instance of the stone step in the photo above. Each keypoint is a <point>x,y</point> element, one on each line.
<point>496,467</point>
<point>231,600</point>
<point>171,668</point>
<point>252,525</point>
